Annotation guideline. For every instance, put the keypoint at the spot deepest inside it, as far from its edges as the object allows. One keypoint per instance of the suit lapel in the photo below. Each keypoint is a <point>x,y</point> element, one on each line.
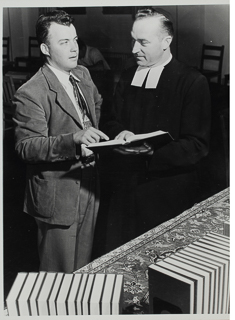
<point>62,98</point>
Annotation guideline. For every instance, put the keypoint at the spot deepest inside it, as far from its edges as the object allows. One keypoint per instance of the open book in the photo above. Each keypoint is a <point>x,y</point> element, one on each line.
<point>156,137</point>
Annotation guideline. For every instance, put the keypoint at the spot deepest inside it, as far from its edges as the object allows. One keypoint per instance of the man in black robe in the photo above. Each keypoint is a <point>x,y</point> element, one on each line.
<point>160,93</point>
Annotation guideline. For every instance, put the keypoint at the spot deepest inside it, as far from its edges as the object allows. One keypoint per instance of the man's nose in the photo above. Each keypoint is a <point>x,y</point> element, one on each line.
<point>74,46</point>
<point>136,47</point>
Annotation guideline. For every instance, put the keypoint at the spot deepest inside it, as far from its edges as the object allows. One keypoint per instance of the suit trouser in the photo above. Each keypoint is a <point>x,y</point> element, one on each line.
<point>68,248</point>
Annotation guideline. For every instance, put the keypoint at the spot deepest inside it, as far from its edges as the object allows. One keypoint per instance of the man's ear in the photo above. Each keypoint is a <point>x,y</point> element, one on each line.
<point>45,50</point>
<point>166,42</point>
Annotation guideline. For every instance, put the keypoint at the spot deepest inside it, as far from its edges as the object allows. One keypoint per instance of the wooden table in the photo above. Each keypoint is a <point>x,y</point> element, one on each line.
<point>133,258</point>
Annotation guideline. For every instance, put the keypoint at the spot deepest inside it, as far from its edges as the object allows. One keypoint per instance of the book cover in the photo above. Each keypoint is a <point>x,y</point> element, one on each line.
<point>14,293</point>
<point>34,293</point>
<point>54,291</point>
<point>63,292</point>
<point>214,243</point>
<point>23,297</point>
<point>204,256</point>
<point>223,253</point>
<point>218,237</point>
<point>213,248</point>
<point>199,283</point>
<point>221,258</point>
<point>106,298</point>
<point>197,271</point>
<point>211,285</point>
<point>217,273</point>
<point>169,291</point>
<point>117,295</point>
<point>218,240</point>
<point>71,305</point>
<point>87,294</point>
<point>42,299</point>
<point>80,294</point>
<point>97,290</point>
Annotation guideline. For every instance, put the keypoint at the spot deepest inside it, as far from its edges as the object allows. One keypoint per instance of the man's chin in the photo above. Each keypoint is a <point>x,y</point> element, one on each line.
<point>141,63</point>
<point>73,64</point>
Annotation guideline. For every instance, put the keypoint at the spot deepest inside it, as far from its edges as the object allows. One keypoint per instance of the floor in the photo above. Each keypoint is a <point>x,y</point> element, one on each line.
<point>20,249</point>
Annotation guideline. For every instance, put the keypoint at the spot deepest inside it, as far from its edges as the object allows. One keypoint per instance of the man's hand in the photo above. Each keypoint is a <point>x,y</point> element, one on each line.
<point>124,135</point>
<point>90,135</point>
<point>143,149</point>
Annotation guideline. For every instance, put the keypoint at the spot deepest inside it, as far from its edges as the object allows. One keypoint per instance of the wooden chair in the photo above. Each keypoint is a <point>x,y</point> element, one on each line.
<point>34,58</point>
<point>6,48</point>
<point>212,53</point>
<point>8,106</point>
<point>7,64</point>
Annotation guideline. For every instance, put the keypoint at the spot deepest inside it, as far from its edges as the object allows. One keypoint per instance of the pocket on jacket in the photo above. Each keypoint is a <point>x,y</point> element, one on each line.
<point>42,193</point>
<point>66,200</point>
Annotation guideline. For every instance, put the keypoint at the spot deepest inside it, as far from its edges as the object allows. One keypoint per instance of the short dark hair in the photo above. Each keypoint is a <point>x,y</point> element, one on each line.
<point>166,22</point>
<point>44,21</point>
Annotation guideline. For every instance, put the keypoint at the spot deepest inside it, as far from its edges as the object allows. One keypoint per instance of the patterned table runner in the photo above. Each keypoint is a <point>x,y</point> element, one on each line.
<point>133,258</point>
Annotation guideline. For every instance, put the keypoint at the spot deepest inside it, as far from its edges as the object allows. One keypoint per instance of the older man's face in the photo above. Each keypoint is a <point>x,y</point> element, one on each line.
<point>148,42</point>
<point>62,47</point>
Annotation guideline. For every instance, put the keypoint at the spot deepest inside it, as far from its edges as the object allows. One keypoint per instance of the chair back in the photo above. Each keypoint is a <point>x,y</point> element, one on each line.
<point>8,106</point>
<point>8,90</point>
<point>33,48</point>
<point>212,54</point>
<point>33,61</point>
<point>6,48</point>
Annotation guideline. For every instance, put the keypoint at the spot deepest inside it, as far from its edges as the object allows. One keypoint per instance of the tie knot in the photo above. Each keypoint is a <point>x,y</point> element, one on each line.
<point>72,80</point>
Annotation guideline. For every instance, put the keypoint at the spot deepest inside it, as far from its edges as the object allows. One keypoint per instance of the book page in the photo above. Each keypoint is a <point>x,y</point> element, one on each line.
<point>143,136</point>
<point>117,142</point>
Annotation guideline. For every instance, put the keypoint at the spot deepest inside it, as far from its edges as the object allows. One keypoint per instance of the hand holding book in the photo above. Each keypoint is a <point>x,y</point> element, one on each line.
<point>142,149</point>
<point>134,143</point>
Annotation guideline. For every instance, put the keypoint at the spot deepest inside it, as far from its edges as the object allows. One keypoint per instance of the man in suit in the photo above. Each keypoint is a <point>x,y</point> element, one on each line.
<point>159,93</point>
<point>55,120</point>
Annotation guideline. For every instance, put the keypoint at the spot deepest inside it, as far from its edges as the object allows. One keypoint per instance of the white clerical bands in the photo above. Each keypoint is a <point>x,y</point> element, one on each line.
<point>153,74</point>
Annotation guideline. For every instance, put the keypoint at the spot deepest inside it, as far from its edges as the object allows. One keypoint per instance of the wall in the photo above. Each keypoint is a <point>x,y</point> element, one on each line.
<point>194,25</point>
<point>105,31</point>
<point>19,24</point>
<point>216,31</point>
<point>190,31</point>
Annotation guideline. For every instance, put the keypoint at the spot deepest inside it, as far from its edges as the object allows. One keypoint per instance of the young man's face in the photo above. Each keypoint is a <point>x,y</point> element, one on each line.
<point>62,47</point>
<point>148,42</point>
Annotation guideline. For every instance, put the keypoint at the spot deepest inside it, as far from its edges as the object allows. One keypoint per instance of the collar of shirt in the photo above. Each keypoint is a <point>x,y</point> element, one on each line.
<point>63,77</point>
<point>67,85</point>
<point>153,74</point>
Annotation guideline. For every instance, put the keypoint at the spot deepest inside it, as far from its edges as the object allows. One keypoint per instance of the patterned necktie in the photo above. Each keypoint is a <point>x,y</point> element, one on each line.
<point>81,103</point>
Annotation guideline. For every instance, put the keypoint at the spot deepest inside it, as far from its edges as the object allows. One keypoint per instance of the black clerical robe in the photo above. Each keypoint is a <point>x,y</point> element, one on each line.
<point>150,190</point>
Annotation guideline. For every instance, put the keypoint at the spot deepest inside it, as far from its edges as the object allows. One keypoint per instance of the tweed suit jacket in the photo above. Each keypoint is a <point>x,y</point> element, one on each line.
<point>46,120</point>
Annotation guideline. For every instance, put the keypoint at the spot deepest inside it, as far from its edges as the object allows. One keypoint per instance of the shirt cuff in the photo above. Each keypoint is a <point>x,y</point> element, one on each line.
<point>85,152</point>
